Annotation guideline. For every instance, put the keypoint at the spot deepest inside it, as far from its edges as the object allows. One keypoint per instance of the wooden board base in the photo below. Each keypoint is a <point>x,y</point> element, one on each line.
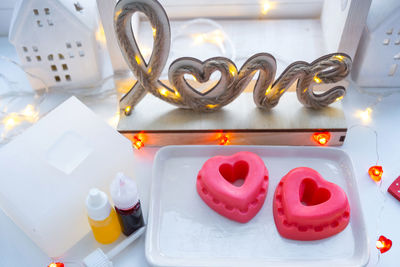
<point>157,123</point>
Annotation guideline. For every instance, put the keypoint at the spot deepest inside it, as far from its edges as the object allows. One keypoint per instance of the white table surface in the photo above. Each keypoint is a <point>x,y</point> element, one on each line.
<point>16,249</point>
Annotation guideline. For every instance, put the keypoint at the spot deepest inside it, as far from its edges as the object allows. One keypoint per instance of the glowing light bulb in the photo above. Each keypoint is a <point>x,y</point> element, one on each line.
<point>383,244</point>
<point>224,140</point>
<point>232,70</point>
<point>138,60</point>
<point>339,98</point>
<point>154,31</point>
<point>216,37</point>
<point>266,6</point>
<point>375,172</point>
<point>137,142</point>
<point>10,122</point>
<point>116,14</point>
<point>163,92</point>
<point>338,57</point>
<point>113,122</point>
<point>322,138</point>
<point>198,38</point>
<point>210,106</point>
<point>268,90</point>
<point>30,113</point>
<point>316,79</point>
<point>56,264</point>
<point>100,35</point>
<point>128,110</point>
<point>364,115</point>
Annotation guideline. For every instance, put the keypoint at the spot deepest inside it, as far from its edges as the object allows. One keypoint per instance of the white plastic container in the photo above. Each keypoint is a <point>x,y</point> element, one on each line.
<point>47,171</point>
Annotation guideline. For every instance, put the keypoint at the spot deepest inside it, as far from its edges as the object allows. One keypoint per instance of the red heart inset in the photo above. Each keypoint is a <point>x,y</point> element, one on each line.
<point>383,244</point>
<point>217,184</point>
<point>307,207</point>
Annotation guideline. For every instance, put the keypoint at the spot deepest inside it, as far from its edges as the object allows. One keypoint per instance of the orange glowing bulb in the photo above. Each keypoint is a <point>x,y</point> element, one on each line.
<point>375,172</point>
<point>137,143</point>
<point>322,138</point>
<point>383,244</point>
<point>224,141</point>
<point>128,110</point>
<point>56,264</point>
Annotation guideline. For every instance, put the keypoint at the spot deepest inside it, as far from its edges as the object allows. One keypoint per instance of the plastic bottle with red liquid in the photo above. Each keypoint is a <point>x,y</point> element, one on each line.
<point>124,193</point>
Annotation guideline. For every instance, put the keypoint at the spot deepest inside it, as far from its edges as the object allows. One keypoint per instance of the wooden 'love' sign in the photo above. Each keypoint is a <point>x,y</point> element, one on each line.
<point>327,69</point>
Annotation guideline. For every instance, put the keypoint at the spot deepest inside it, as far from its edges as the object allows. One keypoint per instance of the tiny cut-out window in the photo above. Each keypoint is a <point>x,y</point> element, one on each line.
<point>28,59</point>
<point>47,11</point>
<point>81,53</point>
<point>64,66</point>
<point>392,69</point>
<point>50,22</point>
<point>39,23</point>
<point>50,57</point>
<point>71,55</point>
<point>38,58</point>
<point>25,48</point>
<point>68,77</point>
<point>78,44</point>
<point>35,49</point>
<point>386,41</point>
<point>60,56</point>
<point>36,12</point>
<point>78,7</point>
<point>57,78</point>
<point>68,45</point>
<point>53,67</point>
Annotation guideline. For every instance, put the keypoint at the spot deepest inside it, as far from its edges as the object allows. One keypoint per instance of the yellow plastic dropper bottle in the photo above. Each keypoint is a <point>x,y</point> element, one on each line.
<point>102,217</point>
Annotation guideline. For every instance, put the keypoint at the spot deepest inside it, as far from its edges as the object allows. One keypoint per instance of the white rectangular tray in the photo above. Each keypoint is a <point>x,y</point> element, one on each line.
<point>184,231</point>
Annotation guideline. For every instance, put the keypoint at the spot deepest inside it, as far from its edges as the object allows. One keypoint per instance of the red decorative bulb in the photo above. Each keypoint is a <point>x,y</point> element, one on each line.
<point>137,143</point>
<point>224,141</point>
<point>383,244</point>
<point>375,172</point>
<point>56,264</point>
<point>322,138</point>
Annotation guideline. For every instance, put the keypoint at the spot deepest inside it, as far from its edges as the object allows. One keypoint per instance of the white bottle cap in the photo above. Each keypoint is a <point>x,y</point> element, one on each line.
<point>124,192</point>
<point>97,205</point>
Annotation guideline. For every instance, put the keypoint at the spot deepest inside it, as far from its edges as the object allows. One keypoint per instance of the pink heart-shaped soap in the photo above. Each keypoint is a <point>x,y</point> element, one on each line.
<point>234,186</point>
<point>307,207</point>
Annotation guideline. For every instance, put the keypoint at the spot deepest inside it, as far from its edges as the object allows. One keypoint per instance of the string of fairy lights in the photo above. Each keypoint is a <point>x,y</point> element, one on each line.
<point>375,172</point>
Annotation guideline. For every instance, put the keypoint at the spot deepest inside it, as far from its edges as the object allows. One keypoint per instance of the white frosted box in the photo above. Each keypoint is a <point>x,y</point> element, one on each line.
<point>47,171</point>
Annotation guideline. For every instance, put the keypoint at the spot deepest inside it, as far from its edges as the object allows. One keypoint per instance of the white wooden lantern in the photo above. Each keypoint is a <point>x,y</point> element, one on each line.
<point>378,56</point>
<point>56,41</point>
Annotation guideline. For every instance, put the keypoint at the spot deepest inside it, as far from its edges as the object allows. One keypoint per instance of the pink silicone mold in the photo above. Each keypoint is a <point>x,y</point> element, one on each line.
<point>307,207</point>
<point>216,185</point>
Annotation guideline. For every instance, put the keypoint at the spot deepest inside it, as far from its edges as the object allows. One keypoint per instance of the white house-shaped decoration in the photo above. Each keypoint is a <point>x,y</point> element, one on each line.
<point>377,62</point>
<point>56,41</point>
